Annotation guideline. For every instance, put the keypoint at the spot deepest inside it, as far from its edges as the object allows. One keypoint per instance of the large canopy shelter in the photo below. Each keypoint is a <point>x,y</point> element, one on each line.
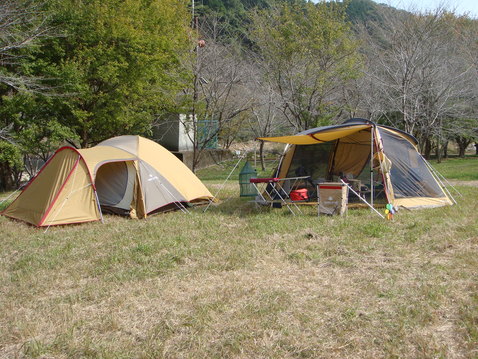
<point>384,160</point>
<point>128,175</point>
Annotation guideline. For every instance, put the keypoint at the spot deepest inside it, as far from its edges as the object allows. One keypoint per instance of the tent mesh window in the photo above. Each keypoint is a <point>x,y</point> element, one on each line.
<point>409,174</point>
<point>311,160</point>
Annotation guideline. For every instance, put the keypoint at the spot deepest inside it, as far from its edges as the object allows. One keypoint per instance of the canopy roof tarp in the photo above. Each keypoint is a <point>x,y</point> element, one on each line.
<point>128,174</point>
<point>319,135</point>
<point>331,133</point>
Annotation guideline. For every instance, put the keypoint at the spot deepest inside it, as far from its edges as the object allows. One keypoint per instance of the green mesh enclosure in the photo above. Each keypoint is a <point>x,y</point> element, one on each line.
<point>246,188</point>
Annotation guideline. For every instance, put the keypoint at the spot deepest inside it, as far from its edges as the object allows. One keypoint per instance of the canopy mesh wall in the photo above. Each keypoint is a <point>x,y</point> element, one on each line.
<point>311,160</point>
<point>409,174</point>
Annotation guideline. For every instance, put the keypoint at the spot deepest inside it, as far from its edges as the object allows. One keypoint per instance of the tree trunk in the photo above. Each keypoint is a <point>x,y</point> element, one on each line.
<point>261,155</point>
<point>462,145</point>
<point>476,147</point>
<point>428,149</point>
<point>445,150</point>
<point>438,152</point>
<point>84,138</point>
<point>6,181</point>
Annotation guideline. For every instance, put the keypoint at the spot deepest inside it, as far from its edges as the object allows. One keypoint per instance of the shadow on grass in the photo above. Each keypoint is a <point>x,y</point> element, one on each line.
<point>241,207</point>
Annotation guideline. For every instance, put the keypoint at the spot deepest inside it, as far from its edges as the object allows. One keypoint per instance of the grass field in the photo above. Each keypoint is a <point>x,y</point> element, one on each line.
<point>459,168</point>
<point>243,282</point>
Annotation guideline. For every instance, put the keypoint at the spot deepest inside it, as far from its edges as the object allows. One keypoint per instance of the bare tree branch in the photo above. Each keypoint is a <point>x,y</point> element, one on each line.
<point>21,25</point>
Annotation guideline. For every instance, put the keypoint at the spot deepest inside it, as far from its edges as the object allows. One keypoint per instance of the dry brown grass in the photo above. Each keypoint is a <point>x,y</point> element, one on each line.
<point>241,282</point>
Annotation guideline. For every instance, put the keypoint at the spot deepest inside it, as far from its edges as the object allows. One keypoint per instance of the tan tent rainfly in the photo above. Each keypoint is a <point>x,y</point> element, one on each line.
<point>126,174</point>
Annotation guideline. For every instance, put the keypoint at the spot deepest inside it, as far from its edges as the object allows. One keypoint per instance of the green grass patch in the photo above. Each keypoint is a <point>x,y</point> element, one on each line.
<point>5,199</point>
<point>465,169</point>
<point>233,167</point>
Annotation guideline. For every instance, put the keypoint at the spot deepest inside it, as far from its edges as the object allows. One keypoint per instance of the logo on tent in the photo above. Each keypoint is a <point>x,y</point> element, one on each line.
<point>152,178</point>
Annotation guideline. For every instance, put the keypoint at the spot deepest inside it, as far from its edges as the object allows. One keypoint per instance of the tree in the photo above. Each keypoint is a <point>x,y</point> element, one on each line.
<point>232,16</point>
<point>463,131</point>
<point>467,33</point>
<point>363,11</point>
<point>22,25</point>
<point>10,165</point>
<point>33,128</point>
<point>415,63</point>
<point>110,69</point>
<point>310,55</point>
<point>265,117</point>
<point>216,96</point>
<point>117,63</point>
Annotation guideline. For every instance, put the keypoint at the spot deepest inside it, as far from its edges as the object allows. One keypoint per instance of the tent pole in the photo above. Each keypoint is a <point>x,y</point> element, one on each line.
<point>280,160</point>
<point>362,199</point>
<point>371,164</point>
<point>255,154</point>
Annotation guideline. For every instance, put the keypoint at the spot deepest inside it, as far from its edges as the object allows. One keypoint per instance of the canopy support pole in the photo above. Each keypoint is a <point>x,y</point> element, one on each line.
<point>372,129</point>
<point>362,199</point>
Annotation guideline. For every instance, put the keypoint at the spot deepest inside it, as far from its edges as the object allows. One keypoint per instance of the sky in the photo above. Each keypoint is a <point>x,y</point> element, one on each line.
<point>460,7</point>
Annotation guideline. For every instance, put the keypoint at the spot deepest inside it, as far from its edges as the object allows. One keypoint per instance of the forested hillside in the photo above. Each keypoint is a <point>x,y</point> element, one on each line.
<point>80,72</point>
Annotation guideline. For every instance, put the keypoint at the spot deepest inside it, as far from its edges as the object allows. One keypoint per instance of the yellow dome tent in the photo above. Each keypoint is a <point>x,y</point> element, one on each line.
<point>126,174</point>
